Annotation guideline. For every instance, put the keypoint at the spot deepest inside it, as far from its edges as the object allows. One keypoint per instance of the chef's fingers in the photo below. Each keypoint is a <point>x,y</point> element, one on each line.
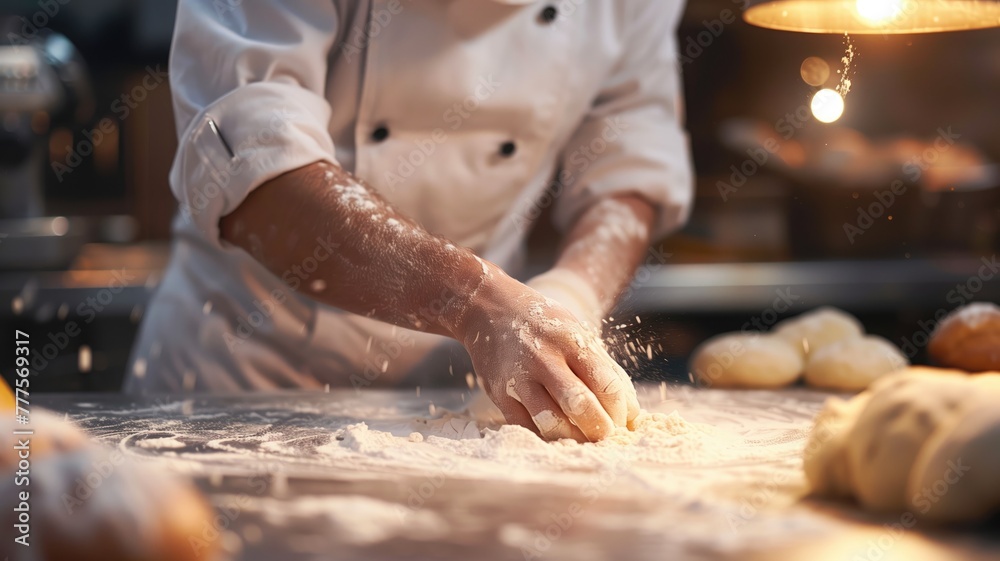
<point>552,423</point>
<point>579,404</point>
<point>598,372</point>
<point>513,412</point>
<point>631,395</point>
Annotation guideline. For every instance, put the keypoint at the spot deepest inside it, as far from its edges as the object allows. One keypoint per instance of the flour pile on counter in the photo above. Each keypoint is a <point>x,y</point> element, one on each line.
<point>475,444</point>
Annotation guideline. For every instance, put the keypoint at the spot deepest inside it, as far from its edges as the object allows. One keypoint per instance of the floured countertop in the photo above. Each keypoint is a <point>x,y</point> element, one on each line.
<point>709,474</point>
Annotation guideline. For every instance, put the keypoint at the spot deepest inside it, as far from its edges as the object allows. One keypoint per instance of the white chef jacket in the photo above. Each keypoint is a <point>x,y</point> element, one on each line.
<point>461,113</point>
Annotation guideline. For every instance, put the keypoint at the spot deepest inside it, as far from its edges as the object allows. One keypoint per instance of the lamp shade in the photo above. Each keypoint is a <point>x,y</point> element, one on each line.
<point>874,17</point>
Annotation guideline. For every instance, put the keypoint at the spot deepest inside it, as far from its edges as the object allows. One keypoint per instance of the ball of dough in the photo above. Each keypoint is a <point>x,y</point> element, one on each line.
<point>904,410</point>
<point>738,360</point>
<point>854,363</point>
<point>818,328</point>
<point>968,338</point>
<point>825,457</point>
<point>954,478</point>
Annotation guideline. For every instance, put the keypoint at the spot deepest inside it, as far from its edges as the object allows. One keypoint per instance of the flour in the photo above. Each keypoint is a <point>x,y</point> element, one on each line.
<point>160,443</point>
<point>354,520</point>
<point>483,447</point>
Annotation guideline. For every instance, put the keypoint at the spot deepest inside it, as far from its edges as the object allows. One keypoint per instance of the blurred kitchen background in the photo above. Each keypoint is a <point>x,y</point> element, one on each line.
<point>87,138</point>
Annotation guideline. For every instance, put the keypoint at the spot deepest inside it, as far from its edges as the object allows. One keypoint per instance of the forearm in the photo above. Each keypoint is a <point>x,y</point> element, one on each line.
<point>381,265</point>
<point>606,245</point>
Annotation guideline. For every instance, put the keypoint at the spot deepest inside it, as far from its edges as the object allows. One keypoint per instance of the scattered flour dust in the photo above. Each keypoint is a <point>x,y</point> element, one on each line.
<point>844,86</point>
<point>486,448</point>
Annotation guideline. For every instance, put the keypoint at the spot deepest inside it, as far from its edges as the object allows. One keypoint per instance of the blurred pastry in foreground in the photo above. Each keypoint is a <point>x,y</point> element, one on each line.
<point>89,503</point>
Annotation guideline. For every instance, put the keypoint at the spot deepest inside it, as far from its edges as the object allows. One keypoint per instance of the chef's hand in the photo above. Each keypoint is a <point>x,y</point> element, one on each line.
<point>541,366</point>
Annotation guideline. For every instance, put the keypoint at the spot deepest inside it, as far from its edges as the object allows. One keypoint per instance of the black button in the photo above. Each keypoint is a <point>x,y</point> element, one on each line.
<point>507,149</point>
<point>548,15</point>
<point>380,134</point>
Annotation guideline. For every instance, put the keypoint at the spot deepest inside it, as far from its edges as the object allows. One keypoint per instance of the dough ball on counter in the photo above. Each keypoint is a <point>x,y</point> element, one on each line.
<point>746,360</point>
<point>922,440</point>
<point>89,503</point>
<point>968,338</point>
<point>852,364</point>
<point>816,329</point>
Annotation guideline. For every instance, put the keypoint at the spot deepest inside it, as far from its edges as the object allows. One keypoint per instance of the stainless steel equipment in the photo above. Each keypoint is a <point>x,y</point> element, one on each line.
<point>43,82</point>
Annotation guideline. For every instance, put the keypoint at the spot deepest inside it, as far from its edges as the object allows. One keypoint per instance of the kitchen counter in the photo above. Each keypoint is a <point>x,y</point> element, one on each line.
<point>295,477</point>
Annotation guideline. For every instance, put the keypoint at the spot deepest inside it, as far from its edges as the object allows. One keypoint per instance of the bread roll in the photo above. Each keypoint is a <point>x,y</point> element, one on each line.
<point>852,364</point>
<point>738,360</point>
<point>816,329</point>
<point>968,338</point>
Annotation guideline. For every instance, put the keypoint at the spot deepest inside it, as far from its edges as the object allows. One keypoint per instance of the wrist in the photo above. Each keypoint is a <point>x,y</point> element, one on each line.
<point>478,296</point>
<point>572,291</point>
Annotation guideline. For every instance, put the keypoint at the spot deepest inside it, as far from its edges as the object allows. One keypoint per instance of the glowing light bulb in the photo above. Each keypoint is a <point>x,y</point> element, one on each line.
<point>827,106</point>
<point>879,11</point>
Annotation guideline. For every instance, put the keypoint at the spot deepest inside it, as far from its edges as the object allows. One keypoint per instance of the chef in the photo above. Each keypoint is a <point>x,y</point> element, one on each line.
<point>356,180</point>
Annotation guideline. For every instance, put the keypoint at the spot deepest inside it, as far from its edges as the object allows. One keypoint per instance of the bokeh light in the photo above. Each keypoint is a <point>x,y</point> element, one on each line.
<point>814,71</point>
<point>827,106</point>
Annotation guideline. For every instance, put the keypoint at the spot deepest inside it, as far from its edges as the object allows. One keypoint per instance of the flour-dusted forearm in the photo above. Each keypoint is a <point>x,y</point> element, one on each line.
<point>382,264</point>
<point>539,365</point>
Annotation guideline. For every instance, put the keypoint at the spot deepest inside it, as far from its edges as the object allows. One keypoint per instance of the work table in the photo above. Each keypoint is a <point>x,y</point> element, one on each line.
<point>297,483</point>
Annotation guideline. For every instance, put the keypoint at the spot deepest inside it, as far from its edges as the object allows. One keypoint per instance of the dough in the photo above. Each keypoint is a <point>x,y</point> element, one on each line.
<point>885,440</point>
<point>825,456</point>
<point>924,440</point>
<point>89,504</point>
<point>852,364</point>
<point>968,338</point>
<point>738,360</point>
<point>818,328</point>
<point>954,478</point>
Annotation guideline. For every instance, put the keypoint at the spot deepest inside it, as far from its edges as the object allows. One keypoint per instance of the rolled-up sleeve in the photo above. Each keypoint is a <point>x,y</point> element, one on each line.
<point>248,82</point>
<point>633,140</point>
